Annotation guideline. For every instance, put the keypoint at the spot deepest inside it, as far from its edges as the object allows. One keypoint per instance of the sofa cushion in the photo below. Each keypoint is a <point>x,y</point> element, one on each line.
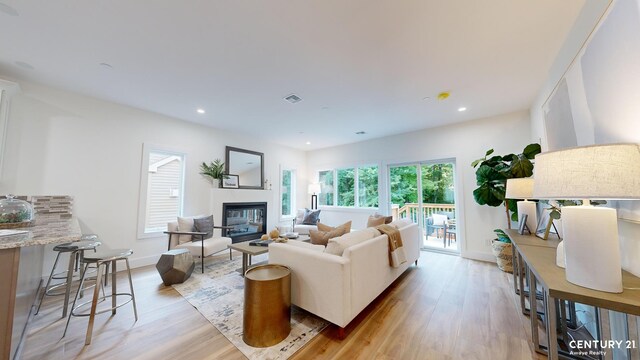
<point>305,245</point>
<point>300,216</point>
<point>337,245</point>
<point>311,217</point>
<point>185,224</point>
<point>204,224</point>
<point>211,246</point>
<point>324,227</point>
<point>400,223</point>
<point>304,229</point>
<point>319,237</point>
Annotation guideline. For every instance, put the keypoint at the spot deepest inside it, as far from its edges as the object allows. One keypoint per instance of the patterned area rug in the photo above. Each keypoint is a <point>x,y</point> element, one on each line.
<point>218,295</point>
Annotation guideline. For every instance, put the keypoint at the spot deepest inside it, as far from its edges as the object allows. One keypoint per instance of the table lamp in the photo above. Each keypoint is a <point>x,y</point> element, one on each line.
<point>314,189</point>
<point>523,189</point>
<point>599,172</point>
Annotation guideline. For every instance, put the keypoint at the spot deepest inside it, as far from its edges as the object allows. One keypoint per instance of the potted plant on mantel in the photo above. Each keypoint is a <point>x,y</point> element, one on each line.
<point>215,171</point>
<point>491,177</point>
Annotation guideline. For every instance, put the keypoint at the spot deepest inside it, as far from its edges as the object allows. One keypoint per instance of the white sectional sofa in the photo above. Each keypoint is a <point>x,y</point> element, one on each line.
<point>337,288</point>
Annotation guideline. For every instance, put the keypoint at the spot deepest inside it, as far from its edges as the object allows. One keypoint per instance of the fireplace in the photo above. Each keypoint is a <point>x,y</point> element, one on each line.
<point>247,219</point>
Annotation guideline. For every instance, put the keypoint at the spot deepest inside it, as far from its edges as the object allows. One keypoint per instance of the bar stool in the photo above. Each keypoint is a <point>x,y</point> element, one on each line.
<point>100,258</point>
<point>76,254</point>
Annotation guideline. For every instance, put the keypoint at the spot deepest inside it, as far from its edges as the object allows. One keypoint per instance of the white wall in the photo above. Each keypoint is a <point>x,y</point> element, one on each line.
<point>64,143</point>
<point>588,20</point>
<point>463,142</point>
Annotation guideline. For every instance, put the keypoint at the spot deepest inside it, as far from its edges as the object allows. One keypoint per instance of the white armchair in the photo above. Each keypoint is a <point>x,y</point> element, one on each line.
<point>195,242</point>
<point>299,227</point>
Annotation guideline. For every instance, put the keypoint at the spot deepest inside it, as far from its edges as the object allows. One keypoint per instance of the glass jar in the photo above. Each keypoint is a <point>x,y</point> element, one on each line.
<point>14,211</point>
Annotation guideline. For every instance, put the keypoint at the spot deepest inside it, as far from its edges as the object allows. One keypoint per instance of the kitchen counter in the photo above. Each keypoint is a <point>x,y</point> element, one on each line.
<point>21,262</point>
<point>45,231</point>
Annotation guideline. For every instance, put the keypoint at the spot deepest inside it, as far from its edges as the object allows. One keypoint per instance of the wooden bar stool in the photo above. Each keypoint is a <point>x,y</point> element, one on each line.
<point>76,253</point>
<point>103,258</point>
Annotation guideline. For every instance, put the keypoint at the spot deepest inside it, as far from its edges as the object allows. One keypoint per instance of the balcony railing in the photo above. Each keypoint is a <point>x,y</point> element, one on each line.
<point>412,211</point>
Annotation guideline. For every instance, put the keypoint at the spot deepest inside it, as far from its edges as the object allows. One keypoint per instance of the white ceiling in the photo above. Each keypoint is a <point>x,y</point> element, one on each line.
<point>358,65</point>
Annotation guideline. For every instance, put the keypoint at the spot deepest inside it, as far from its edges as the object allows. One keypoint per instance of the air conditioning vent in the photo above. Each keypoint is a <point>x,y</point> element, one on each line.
<point>293,98</point>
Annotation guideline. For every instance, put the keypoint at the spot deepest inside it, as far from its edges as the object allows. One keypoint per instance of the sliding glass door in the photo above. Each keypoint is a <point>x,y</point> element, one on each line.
<point>424,192</point>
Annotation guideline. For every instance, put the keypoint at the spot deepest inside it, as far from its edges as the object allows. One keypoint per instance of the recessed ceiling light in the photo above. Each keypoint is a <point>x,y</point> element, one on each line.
<point>462,108</point>
<point>8,10</point>
<point>200,111</point>
<point>293,98</point>
<point>426,98</point>
<point>360,133</point>
<point>106,66</point>
<point>25,65</point>
<point>308,143</point>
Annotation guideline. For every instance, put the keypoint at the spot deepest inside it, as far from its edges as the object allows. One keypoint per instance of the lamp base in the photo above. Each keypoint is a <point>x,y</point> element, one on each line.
<point>560,260</point>
<point>592,249</point>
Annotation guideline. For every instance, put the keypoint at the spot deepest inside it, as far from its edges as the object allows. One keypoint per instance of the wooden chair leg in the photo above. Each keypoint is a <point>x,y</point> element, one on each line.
<point>341,334</point>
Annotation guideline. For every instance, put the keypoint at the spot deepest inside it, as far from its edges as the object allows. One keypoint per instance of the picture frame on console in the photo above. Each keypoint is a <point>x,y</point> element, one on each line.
<point>230,181</point>
<point>545,224</point>
<point>522,226</point>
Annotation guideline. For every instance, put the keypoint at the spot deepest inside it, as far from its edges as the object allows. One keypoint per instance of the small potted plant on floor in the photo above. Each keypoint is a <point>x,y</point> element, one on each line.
<point>501,249</point>
<point>214,171</point>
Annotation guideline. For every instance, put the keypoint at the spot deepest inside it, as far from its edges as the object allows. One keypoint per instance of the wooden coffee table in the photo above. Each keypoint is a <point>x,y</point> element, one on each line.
<point>247,252</point>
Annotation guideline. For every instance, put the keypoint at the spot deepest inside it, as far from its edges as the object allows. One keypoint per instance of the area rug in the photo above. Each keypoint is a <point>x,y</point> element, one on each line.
<point>218,295</point>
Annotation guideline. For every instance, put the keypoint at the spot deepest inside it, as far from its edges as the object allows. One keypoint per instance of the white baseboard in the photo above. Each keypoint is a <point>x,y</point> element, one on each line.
<point>144,261</point>
<point>480,256</point>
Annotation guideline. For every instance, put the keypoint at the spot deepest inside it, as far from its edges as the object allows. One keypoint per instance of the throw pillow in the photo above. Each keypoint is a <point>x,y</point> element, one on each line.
<point>439,219</point>
<point>337,245</point>
<point>375,221</point>
<point>300,216</point>
<point>204,225</point>
<point>322,237</point>
<point>185,224</point>
<point>387,219</point>
<point>346,226</point>
<point>311,217</point>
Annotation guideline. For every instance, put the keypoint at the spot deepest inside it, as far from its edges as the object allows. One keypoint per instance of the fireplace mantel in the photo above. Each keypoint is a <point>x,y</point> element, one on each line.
<point>220,196</point>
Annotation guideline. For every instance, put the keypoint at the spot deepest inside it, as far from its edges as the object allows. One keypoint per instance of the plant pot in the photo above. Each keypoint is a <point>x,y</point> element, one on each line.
<point>504,255</point>
<point>215,183</point>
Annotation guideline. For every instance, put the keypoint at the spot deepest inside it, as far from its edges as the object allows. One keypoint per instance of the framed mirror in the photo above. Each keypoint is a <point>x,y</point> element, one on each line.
<point>248,165</point>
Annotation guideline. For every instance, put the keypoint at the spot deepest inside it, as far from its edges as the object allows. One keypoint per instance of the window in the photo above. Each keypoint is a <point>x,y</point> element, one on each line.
<point>161,190</point>
<point>325,178</point>
<point>346,187</point>
<point>287,196</point>
<point>355,187</point>
<point>368,186</point>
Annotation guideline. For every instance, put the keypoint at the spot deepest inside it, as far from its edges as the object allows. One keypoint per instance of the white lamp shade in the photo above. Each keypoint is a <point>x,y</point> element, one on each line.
<point>519,188</point>
<point>314,188</point>
<point>609,172</point>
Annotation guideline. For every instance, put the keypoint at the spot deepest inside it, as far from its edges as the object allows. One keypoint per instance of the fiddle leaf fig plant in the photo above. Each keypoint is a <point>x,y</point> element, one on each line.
<point>494,170</point>
<point>215,170</point>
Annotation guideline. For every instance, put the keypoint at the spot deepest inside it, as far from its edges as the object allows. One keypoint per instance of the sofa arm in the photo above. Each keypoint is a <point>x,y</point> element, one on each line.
<point>319,281</point>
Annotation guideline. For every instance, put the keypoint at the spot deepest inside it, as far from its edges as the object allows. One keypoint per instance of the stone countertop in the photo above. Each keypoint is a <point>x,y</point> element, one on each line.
<point>43,232</point>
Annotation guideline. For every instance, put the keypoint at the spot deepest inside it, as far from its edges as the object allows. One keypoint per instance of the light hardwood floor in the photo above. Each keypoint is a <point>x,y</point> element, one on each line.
<point>446,308</point>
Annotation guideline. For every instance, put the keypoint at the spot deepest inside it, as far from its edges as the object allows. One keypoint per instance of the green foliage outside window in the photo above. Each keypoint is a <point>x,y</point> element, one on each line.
<point>346,183</point>
<point>368,186</point>
<point>326,185</point>
<point>286,192</point>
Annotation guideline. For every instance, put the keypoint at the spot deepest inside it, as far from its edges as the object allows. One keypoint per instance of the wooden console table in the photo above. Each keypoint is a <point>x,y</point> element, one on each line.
<point>539,256</point>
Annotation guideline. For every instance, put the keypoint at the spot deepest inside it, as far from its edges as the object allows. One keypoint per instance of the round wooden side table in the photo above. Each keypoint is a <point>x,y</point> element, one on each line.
<point>267,305</point>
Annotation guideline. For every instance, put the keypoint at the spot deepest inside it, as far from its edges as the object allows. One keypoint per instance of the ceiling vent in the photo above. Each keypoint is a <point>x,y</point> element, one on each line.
<point>293,98</point>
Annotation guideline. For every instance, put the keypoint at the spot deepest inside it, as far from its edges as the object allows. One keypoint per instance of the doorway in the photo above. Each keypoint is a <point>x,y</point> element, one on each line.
<point>424,192</point>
